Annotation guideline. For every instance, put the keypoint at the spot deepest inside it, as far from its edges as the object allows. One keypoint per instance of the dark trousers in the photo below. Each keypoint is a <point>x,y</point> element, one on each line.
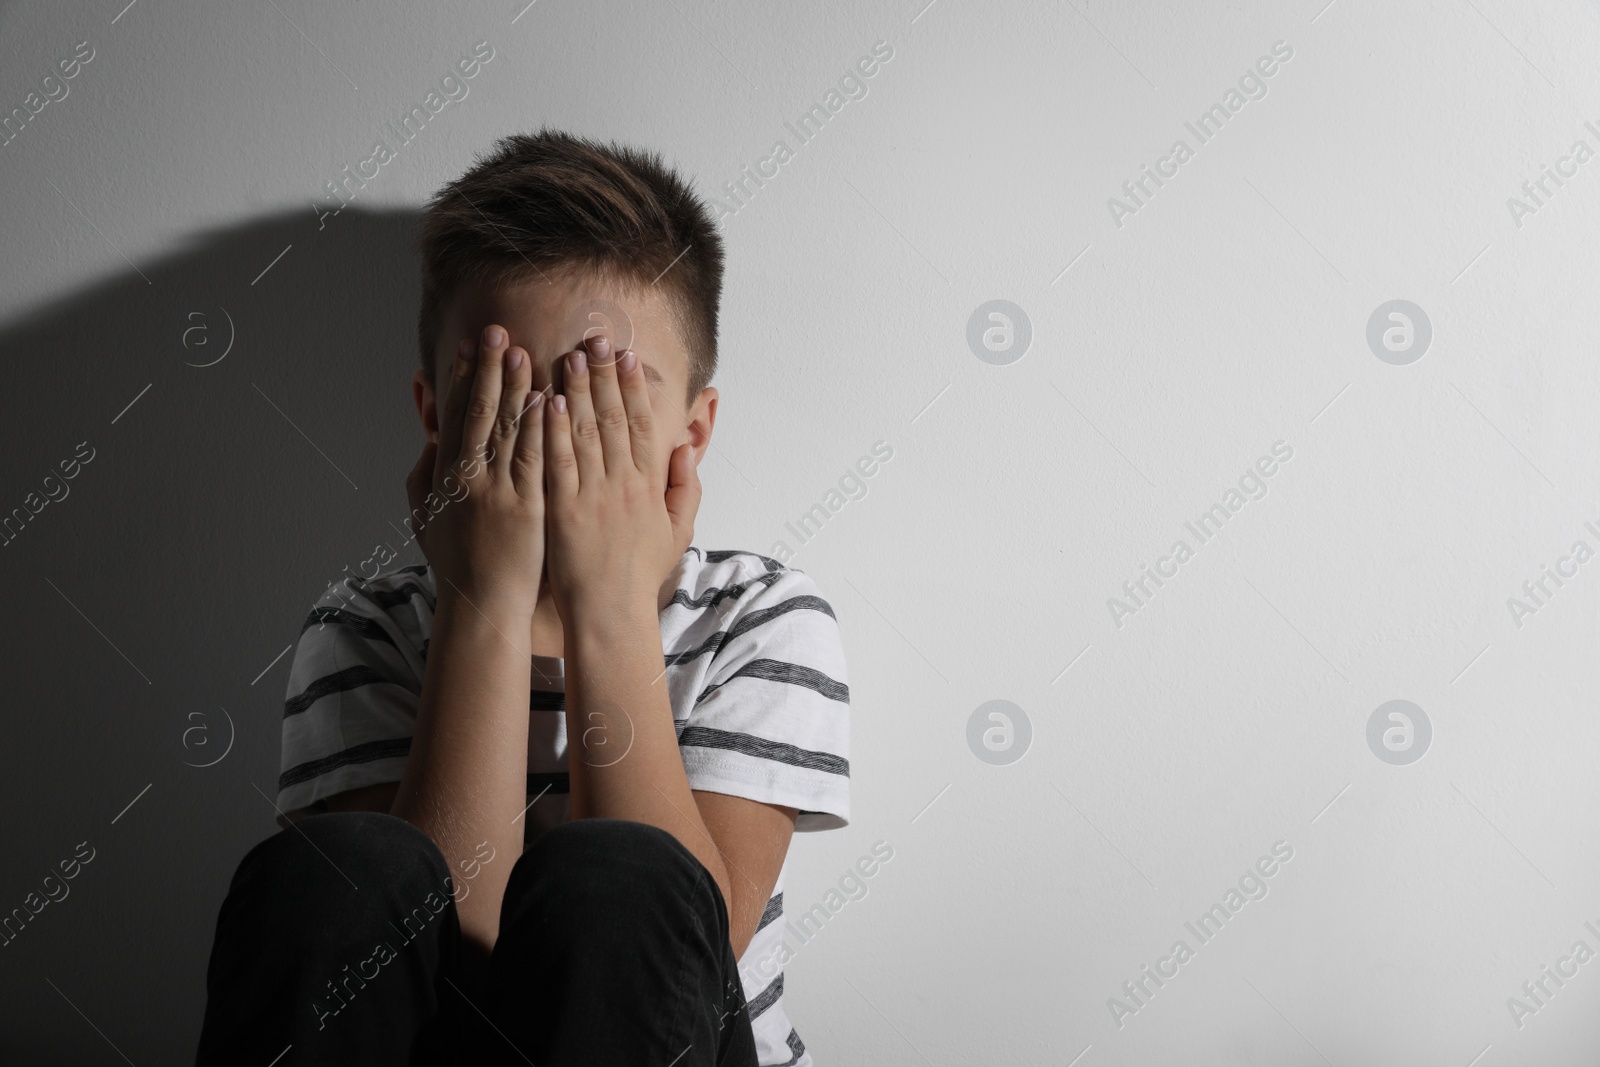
<point>339,943</point>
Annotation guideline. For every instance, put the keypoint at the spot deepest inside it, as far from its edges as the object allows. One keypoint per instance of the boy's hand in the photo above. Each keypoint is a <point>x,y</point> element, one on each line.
<point>486,546</point>
<point>618,524</point>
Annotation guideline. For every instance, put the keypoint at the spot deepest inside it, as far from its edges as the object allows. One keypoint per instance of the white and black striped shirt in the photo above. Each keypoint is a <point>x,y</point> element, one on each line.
<point>756,673</point>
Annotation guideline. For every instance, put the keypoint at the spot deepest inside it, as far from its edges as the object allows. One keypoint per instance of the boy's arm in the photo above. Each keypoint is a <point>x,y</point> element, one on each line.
<point>623,748</point>
<point>467,774</point>
<point>465,778</point>
<point>616,529</point>
<point>753,838</point>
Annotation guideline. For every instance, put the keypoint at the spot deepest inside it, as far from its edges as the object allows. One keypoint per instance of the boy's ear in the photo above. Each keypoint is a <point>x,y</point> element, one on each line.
<point>702,420</point>
<point>427,405</point>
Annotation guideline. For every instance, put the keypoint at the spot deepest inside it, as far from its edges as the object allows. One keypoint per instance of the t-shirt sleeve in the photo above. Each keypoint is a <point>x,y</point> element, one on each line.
<point>773,720</point>
<point>350,706</point>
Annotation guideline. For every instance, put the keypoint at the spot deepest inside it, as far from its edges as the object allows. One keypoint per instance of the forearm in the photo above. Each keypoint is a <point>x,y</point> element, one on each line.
<point>617,703</point>
<point>465,779</point>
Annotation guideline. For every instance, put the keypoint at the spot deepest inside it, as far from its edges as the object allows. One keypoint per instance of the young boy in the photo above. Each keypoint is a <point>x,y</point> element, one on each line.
<point>538,792</point>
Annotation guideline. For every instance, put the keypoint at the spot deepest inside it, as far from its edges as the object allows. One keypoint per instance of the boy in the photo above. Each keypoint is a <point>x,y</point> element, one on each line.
<point>537,793</point>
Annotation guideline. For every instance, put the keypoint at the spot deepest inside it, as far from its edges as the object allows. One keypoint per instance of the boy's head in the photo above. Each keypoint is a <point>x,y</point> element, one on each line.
<point>557,238</point>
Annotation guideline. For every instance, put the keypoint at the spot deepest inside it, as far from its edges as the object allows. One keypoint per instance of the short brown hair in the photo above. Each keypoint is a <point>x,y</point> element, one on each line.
<point>555,205</point>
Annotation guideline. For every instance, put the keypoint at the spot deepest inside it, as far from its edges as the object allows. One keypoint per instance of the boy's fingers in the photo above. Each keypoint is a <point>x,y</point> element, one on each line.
<point>560,464</point>
<point>585,434</point>
<point>610,415</point>
<point>683,494</point>
<point>508,422</point>
<point>454,407</point>
<point>527,461</point>
<point>484,403</point>
<point>636,402</point>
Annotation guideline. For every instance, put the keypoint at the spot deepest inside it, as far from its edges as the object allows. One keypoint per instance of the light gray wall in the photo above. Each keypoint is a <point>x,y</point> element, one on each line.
<point>1170,348</point>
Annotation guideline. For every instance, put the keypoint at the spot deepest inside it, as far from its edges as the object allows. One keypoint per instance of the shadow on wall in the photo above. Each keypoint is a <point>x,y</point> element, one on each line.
<point>208,441</point>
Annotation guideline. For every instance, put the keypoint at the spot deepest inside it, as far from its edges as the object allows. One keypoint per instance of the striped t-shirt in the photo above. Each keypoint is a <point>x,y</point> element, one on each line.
<point>756,673</point>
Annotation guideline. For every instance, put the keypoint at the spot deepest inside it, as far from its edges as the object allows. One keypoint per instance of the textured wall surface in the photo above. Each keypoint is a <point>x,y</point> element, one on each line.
<point>1306,290</point>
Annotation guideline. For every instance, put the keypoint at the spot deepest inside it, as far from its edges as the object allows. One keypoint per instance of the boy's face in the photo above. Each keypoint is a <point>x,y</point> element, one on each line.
<point>547,319</point>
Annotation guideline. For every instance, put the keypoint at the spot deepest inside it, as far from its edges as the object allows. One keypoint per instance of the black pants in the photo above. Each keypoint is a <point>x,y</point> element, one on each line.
<point>339,943</point>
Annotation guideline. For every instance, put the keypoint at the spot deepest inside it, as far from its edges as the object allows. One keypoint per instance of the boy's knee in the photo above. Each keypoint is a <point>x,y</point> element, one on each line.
<point>370,850</point>
<point>603,843</point>
<point>604,888</point>
<point>608,864</point>
<point>316,893</point>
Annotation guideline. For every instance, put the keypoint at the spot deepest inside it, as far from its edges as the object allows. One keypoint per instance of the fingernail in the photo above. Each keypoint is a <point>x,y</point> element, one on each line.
<point>599,349</point>
<point>494,337</point>
<point>575,364</point>
<point>464,349</point>
<point>559,403</point>
<point>627,360</point>
<point>514,358</point>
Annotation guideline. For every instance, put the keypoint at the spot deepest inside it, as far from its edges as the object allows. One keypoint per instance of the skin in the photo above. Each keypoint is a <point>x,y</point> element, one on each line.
<point>547,319</point>
<point>565,546</point>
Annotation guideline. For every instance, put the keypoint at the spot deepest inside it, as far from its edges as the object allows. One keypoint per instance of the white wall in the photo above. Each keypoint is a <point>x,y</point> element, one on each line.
<point>1228,313</point>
